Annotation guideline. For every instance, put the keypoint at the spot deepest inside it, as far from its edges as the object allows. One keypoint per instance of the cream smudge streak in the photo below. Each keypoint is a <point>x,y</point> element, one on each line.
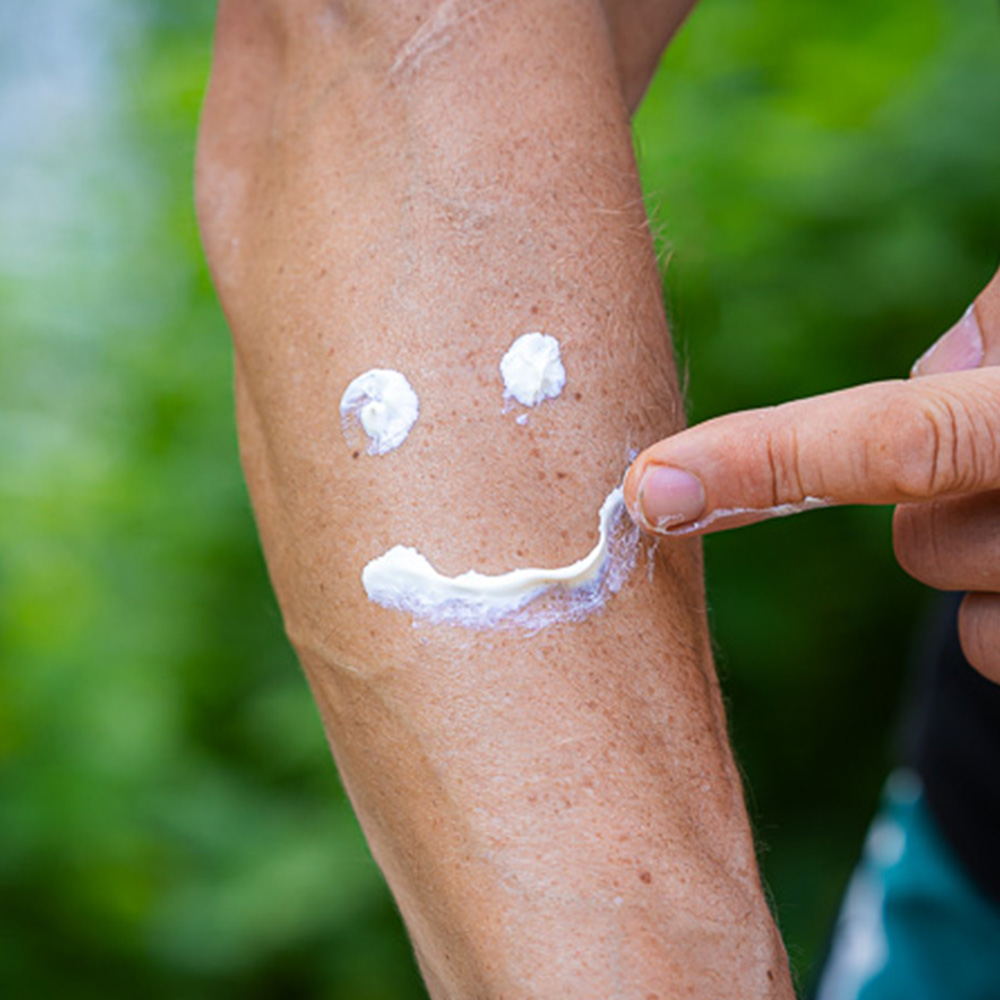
<point>403,579</point>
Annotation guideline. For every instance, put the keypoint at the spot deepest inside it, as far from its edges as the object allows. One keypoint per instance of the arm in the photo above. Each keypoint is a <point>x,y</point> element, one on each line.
<point>411,185</point>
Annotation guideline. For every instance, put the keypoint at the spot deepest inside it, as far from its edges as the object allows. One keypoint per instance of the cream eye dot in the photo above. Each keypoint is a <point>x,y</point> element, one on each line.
<point>383,403</point>
<point>532,370</point>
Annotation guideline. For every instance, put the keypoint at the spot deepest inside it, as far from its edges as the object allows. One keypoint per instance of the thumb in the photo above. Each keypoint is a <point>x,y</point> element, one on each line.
<point>973,341</point>
<point>882,443</point>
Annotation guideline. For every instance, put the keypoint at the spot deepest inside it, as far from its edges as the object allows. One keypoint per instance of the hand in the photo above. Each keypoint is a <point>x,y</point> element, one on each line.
<point>930,444</point>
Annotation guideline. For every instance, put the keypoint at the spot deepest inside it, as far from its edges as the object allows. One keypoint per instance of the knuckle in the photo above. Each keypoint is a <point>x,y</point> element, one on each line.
<point>784,464</point>
<point>935,446</point>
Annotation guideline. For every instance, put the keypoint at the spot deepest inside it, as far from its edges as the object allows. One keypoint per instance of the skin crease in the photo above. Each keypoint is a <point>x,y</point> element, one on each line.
<point>557,814</point>
<point>930,445</point>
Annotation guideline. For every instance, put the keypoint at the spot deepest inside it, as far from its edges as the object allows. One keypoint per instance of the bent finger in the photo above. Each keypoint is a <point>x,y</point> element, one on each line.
<point>951,544</point>
<point>979,632</point>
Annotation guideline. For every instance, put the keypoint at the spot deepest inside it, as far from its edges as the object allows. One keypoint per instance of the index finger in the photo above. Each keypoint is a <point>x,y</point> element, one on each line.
<point>881,443</point>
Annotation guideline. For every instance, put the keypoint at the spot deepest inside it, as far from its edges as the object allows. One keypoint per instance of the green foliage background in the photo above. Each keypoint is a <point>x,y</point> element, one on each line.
<point>824,182</point>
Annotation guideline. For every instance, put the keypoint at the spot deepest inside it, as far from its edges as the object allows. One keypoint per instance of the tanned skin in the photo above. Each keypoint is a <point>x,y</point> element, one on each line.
<point>412,184</point>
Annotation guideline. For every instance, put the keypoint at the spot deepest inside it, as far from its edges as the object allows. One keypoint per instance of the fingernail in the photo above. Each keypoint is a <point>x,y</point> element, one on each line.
<point>960,349</point>
<point>669,497</point>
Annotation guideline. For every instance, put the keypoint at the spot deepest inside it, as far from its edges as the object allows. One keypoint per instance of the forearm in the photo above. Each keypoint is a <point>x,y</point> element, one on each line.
<point>557,812</point>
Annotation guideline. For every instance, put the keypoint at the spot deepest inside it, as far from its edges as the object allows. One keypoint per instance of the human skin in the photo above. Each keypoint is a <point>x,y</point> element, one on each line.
<point>931,445</point>
<point>638,32</point>
<point>412,185</point>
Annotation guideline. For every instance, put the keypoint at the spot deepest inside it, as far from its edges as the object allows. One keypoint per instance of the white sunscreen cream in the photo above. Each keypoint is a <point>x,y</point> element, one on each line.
<point>404,580</point>
<point>385,406</point>
<point>756,513</point>
<point>532,370</point>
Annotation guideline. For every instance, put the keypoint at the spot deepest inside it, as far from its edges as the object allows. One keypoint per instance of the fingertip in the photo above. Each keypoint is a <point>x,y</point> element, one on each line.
<point>631,491</point>
<point>661,498</point>
<point>630,486</point>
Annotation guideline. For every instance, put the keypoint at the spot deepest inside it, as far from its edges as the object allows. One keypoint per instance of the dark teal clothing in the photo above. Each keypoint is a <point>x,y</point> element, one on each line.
<point>913,925</point>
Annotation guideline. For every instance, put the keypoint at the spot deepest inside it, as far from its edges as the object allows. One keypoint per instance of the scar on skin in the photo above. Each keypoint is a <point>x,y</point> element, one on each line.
<point>436,32</point>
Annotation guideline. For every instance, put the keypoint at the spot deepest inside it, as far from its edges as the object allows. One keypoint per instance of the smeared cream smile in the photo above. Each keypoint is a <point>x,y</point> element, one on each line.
<point>403,579</point>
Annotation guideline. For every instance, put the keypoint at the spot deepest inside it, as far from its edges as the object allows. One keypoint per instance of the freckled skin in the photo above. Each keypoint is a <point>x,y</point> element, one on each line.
<point>366,200</point>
